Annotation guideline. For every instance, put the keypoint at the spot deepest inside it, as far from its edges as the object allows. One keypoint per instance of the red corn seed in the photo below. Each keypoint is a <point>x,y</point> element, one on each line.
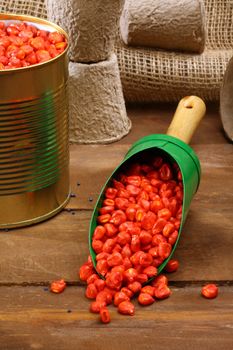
<point>114,259</point>
<point>209,291</point>
<point>117,248</point>
<point>104,296</point>
<point>135,245</point>
<point>102,255</point>
<point>118,217</point>
<point>114,280</point>
<point>157,162</point>
<point>119,268</point>
<point>130,275</point>
<point>123,238</point>
<point>96,306</point>
<point>127,263</point>
<point>173,237</point>
<point>109,245</point>
<point>85,272</point>
<point>121,203</point>
<point>99,232</point>
<point>157,239</point>
<point>103,219</point>
<point>111,230</point>
<point>58,286</point>
<point>149,220</point>
<point>109,202</point>
<point>104,315</point>
<point>162,291</point>
<point>127,291</point>
<point>108,209</point>
<point>142,278</point>
<point>119,297</point>
<point>164,250</point>
<point>145,299</point>
<point>102,266</point>
<point>126,308</point>
<point>145,259</point>
<point>160,280</point>
<point>158,226</point>
<point>97,245</point>
<point>111,193</point>
<point>92,278</point>
<point>148,290</point>
<point>172,265</point>
<point>150,271</point>
<point>168,229</point>
<point>165,172</point>
<point>164,214</point>
<point>135,287</point>
<point>100,285</point>
<point>91,291</point>
<point>126,251</point>
<point>134,180</point>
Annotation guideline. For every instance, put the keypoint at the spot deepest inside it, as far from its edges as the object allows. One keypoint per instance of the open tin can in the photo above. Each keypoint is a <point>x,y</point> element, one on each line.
<point>34,140</point>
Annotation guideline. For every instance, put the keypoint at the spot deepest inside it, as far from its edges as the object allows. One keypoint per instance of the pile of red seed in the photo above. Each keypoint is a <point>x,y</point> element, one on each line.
<point>23,45</point>
<point>137,227</point>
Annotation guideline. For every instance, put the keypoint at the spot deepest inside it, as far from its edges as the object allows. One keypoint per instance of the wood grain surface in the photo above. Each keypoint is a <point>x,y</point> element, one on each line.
<point>33,318</point>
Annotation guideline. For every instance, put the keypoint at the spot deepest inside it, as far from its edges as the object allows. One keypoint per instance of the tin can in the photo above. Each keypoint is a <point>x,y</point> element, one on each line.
<point>34,140</point>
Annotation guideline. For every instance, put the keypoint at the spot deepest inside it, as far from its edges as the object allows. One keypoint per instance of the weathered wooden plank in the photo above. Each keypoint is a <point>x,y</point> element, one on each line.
<point>155,119</point>
<point>31,318</point>
<point>58,247</point>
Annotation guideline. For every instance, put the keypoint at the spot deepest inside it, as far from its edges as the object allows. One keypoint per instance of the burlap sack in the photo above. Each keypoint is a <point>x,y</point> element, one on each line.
<point>25,7</point>
<point>166,24</point>
<point>152,75</point>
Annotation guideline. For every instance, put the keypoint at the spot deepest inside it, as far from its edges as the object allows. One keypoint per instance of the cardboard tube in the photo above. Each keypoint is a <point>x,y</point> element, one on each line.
<point>165,24</point>
<point>91,26</point>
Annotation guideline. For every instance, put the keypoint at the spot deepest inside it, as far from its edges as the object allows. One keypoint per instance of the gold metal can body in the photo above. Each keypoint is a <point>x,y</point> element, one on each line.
<point>34,142</point>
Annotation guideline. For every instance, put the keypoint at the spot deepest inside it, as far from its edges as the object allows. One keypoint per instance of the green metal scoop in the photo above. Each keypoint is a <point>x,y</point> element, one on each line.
<point>174,147</point>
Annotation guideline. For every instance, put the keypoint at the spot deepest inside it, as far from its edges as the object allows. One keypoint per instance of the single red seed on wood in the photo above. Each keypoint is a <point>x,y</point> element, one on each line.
<point>162,291</point>
<point>58,286</point>
<point>209,291</point>
<point>104,315</point>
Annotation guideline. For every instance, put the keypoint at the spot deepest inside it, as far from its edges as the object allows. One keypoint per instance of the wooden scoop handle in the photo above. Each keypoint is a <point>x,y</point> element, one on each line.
<point>189,112</point>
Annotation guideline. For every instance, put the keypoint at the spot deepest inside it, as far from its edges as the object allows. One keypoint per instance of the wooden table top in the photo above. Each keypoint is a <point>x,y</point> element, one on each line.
<point>33,318</point>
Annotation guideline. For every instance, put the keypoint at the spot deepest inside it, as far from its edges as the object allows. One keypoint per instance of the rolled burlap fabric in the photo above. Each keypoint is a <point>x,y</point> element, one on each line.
<point>91,25</point>
<point>97,107</point>
<point>165,24</point>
